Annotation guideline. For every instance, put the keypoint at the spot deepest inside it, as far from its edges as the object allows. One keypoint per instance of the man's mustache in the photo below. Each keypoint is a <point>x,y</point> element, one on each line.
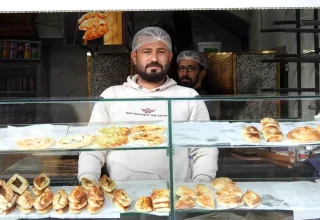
<point>185,77</point>
<point>154,64</point>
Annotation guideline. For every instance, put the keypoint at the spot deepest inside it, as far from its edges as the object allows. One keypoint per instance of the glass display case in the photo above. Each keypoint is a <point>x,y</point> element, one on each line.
<point>162,158</point>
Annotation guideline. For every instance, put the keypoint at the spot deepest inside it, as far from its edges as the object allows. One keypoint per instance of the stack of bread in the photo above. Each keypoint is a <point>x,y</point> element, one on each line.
<point>160,200</point>
<point>77,200</point>
<point>108,185</point>
<point>121,200</point>
<point>7,198</point>
<point>25,202</point>
<point>60,202</point>
<point>271,130</point>
<point>43,203</point>
<point>95,199</point>
<point>229,195</point>
<point>40,184</point>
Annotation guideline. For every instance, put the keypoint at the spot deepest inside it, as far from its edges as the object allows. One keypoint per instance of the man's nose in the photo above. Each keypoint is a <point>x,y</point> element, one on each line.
<point>154,57</point>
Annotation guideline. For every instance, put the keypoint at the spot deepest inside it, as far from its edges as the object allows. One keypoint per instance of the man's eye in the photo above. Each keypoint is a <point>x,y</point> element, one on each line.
<point>147,52</point>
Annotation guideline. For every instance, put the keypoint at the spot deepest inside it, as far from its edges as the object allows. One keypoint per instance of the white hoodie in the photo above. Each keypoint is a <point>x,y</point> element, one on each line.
<point>189,163</point>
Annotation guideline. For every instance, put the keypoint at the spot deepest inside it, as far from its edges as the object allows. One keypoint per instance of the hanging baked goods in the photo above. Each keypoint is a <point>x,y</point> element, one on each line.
<point>304,134</point>
<point>151,129</point>
<point>60,201</point>
<point>110,141</point>
<point>185,202</point>
<point>144,204</point>
<point>114,130</point>
<point>220,182</point>
<point>206,200</point>
<point>147,139</point>
<point>251,134</point>
<point>36,143</point>
<point>184,190</point>
<point>41,182</point>
<point>251,199</point>
<point>94,25</point>
<point>76,141</point>
<point>108,185</point>
<point>18,184</point>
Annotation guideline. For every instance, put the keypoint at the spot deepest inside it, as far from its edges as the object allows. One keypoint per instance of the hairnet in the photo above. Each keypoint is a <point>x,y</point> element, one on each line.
<point>151,34</point>
<point>192,55</point>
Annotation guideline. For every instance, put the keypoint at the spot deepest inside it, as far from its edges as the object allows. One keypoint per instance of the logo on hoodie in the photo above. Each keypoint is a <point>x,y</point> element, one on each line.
<point>147,110</point>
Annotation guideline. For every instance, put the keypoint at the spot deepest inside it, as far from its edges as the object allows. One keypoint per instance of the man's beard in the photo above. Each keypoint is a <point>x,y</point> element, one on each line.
<point>188,82</point>
<point>152,76</point>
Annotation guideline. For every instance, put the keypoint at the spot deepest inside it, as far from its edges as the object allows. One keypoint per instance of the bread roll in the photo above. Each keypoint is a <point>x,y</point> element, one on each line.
<point>160,195</point>
<point>185,191</point>
<point>95,193</point>
<point>6,193</point>
<point>26,200</point>
<point>60,199</point>
<point>251,199</point>
<point>62,211</point>
<point>185,202</point>
<point>11,203</point>
<point>107,184</point>
<point>230,201</point>
<point>77,195</point>
<point>76,211</point>
<point>94,210</point>
<point>119,206</point>
<point>45,210</point>
<point>272,134</point>
<point>95,203</point>
<point>24,211</point>
<point>201,189</point>
<point>38,192</point>
<point>87,183</point>
<point>122,197</point>
<point>206,200</point>
<point>41,182</point>
<point>78,205</point>
<point>144,204</point>
<point>251,134</point>
<point>304,134</point>
<point>229,190</point>
<point>220,182</point>
<point>44,200</point>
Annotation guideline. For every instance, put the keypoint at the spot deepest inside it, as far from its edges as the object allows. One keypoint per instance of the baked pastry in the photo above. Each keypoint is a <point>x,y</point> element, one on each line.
<point>93,209</point>
<point>206,200</point>
<point>76,141</point>
<point>35,143</point>
<point>95,203</point>
<point>110,141</point>
<point>121,196</point>
<point>147,139</point>
<point>251,134</point>
<point>144,204</point>
<point>119,206</point>
<point>62,211</point>
<point>114,130</point>
<point>36,191</point>
<point>94,25</point>
<point>76,211</point>
<point>24,211</point>
<point>107,184</point>
<point>6,193</point>
<point>77,195</point>
<point>41,182</point>
<point>304,134</point>
<point>44,200</point>
<point>220,182</point>
<point>201,189</point>
<point>45,210</point>
<point>266,121</point>
<point>92,15</point>
<point>230,201</point>
<point>229,190</point>
<point>161,205</point>
<point>272,134</point>
<point>87,183</point>
<point>11,203</point>
<point>151,129</point>
<point>185,202</point>
<point>60,200</point>
<point>26,200</point>
<point>18,184</point>
<point>95,193</point>
<point>110,194</point>
<point>185,191</point>
<point>7,211</point>
<point>251,199</point>
<point>75,205</point>
<point>160,195</point>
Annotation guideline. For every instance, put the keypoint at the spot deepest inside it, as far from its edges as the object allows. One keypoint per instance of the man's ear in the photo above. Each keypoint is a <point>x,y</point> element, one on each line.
<point>170,56</point>
<point>202,74</point>
<point>134,57</point>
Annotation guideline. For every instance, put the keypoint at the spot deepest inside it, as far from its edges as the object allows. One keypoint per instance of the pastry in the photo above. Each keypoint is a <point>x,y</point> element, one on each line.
<point>11,203</point>
<point>230,189</point>
<point>160,195</point>
<point>122,197</point>
<point>77,195</point>
<point>24,211</point>
<point>74,205</point>
<point>60,199</point>
<point>6,193</point>
<point>146,139</point>
<point>230,201</point>
<point>62,211</point>
<point>107,184</point>
<point>44,200</point>
<point>110,194</point>
<point>110,141</point>
<point>18,184</point>
<point>251,134</point>
<point>272,134</point>
<point>76,211</point>
<point>41,182</point>
<point>94,25</point>
<point>76,141</point>
<point>304,134</point>
<point>251,199</point>
<point>206,200</point>
<point>91,15</point>
<point>44,210</point>
<point>201,189</point>
<point>36,191</point>
<point>35,143</point>
<point>161,205</point>
<point>95,193</point>
<point>185,191</point>
<point>266,121</point>
<point>220,182</point>
<point>26,200</point>
<point>93,209</point>
<point>95,203</point>
<point>87,183</point>
<point>185,202</point>
<point>151,129</point>
<point>114,130</point>
<point>119,206</point>
<point>7,211</point>
<point>144,204</point>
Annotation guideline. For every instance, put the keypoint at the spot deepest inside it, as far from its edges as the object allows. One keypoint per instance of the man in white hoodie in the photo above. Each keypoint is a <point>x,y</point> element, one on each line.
<point>151,54</point>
